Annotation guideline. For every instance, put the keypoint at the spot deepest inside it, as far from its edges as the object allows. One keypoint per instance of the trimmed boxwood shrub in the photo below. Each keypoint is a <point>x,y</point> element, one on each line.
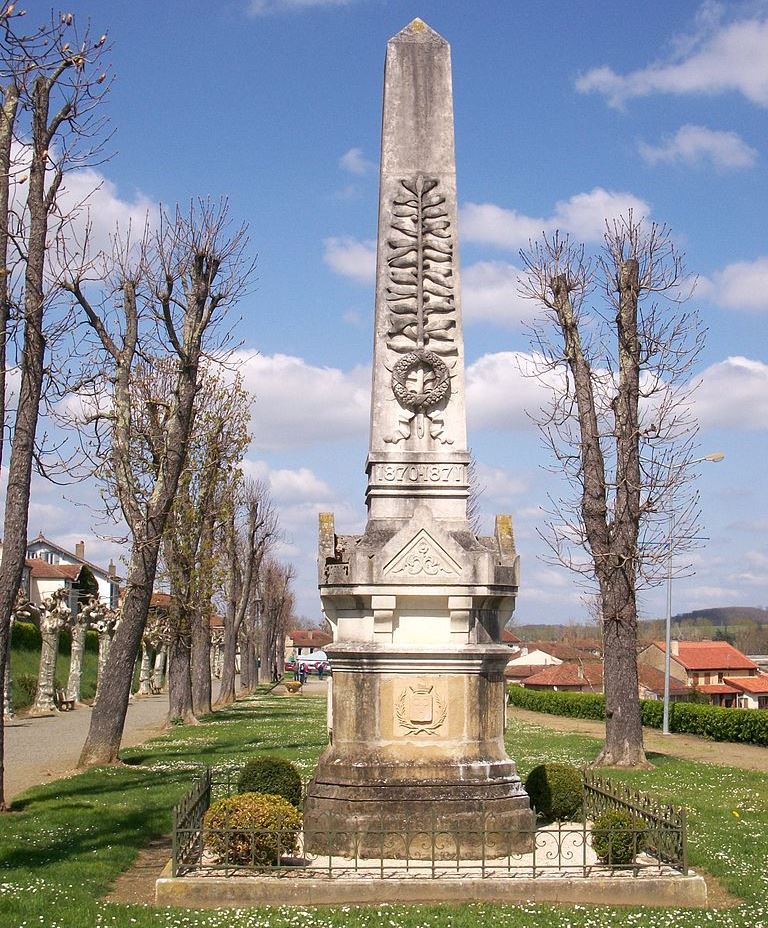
<point>556,791</point>
<point>272,775</point>
<point>746,725</point>
<point>255,828</point>
<point>618,837</point>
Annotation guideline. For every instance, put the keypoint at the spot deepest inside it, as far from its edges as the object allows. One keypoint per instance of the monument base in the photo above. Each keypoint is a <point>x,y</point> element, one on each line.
<point>448,822</point>
<point>417,765</point>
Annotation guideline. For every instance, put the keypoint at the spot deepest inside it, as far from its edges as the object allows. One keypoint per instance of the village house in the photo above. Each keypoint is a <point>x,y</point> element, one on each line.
<point>587,677</point>
<point>714,668</point>
<point>530,657</point>
<point>50,567</point>
<point>303,641</point>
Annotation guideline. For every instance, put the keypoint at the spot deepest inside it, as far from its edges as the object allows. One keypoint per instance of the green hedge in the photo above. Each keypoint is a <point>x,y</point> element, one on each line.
<point>25,635</point>
<point>718,724</point>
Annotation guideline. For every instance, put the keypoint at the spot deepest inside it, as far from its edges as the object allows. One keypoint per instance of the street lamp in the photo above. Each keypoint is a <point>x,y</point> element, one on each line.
<point>714,458</point>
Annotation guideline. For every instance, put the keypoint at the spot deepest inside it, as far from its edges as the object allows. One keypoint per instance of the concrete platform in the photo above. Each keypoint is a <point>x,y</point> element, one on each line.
<point>665,889</point>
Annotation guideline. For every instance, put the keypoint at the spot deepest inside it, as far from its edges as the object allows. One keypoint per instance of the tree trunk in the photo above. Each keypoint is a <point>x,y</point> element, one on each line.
<point>265,655</point>
<point>623,721</point>
<point>30,388</point>
<point>158,671</point>
<point>79,630</point>
<point>145,670</point>
<point>108,719</point>
<point>246,663</point>
<point>105,640</point>
<point>180,680</point>
<point>44,697</point>
<point>201,662</point>
<point>8,712</point>
<point>227,685</point>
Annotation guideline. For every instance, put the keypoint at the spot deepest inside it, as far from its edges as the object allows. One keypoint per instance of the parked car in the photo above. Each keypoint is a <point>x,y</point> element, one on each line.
<point>313,662</point>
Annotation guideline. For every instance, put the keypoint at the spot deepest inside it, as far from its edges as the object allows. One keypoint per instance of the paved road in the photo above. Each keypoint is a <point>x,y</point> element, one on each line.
<point>687,747</point>
<point>38,750</point>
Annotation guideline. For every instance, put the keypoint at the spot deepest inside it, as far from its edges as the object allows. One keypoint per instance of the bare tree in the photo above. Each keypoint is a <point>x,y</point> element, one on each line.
<point>163,297</point>
<point>52,85</point>
<point>618,370</point>
<point>276,617</point>
<point>246,547</point>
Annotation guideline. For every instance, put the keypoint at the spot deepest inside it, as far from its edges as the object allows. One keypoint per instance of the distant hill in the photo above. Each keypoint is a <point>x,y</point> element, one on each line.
<point>726,615</point>
<point>728,618</point>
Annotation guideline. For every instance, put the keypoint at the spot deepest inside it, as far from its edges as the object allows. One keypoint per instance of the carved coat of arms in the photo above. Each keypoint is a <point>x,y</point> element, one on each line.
<point>420,710</point>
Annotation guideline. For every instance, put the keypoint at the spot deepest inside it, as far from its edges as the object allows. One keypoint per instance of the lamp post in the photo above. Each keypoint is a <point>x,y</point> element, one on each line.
<point>714,458</point>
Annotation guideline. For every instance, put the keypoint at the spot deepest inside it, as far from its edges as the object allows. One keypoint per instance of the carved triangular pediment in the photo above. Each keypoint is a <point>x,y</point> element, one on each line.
<point>422,558</point>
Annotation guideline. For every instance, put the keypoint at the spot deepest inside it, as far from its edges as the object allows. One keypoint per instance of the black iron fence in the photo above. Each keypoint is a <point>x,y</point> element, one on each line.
<point>654,839</point>
<point>665,834</point>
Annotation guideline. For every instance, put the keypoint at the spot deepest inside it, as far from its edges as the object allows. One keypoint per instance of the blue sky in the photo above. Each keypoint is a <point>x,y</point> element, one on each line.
<point>565,112</point>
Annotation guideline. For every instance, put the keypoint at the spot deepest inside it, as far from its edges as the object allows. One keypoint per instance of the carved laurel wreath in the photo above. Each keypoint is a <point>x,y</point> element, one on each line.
<point>402,718</point>
<point>439,390</point>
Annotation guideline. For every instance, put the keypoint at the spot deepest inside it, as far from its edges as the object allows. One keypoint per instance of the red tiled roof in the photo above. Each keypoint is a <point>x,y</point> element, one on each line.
<point>508,638</point>
<point>71,554</point>
<point>558,649</point>
<point>42,570</point>
<point>710,655</point>
<point>589,674</point>
<point>758,684</point>
<point>717,688</point>
<point>653,680</point>
<point>520,671</point>
<point>310,637</point>
<point>160,600</point>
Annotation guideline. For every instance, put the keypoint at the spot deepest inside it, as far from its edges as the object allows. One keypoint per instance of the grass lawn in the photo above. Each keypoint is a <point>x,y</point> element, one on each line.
<point>25,664</point>
<point>64,843</point>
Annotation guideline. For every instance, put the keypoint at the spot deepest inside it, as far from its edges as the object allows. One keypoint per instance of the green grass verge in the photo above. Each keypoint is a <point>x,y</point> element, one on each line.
<point>25,664</point>
<point>66,842</point>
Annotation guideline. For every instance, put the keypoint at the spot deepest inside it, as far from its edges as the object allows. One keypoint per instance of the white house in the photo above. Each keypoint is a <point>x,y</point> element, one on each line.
<point>50,567</point>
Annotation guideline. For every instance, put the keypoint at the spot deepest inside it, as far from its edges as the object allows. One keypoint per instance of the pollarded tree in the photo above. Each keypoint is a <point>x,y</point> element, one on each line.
<point>161,298</point>
<point>618,369</point>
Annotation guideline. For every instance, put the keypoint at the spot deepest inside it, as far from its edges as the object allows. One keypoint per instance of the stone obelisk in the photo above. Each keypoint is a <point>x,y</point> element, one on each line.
<point>418,602</point>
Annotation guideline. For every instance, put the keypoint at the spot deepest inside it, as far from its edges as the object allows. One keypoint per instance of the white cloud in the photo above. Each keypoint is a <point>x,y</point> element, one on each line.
<point>734,394</point>
<point>499,395</point>
<point>289,486</point>
<point>302,484</point>
<point>498,485</point>
<point>741,285</point>
<point>86,200</point>
<point>266,7</point>
<point>299,404</point>
<point>726,58</point>
<point>489,292</point>
<point>495,225</point>
<point>582,215</point>
<point>694,144</point>
<point>355,162</point>
<point>102,207</point>
<point>351,258</point>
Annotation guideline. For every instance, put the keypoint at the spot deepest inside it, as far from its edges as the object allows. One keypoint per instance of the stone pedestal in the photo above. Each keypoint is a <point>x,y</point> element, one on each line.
<point>417,765</point>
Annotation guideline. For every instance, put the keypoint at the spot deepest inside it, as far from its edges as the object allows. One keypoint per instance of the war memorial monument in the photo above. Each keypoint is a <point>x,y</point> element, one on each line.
<point>418,602</point>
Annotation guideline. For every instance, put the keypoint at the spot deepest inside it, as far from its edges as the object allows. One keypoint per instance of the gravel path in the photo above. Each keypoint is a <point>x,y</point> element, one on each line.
<point>687,747</point>
<point>38,750</point>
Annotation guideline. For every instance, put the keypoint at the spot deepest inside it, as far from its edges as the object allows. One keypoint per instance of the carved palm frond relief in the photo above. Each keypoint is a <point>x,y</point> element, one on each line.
<point>420,292</point>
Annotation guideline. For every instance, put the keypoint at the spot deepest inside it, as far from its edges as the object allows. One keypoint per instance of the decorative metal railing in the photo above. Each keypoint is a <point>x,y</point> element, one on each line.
<point>666,835</point>
<point>656,841</point>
